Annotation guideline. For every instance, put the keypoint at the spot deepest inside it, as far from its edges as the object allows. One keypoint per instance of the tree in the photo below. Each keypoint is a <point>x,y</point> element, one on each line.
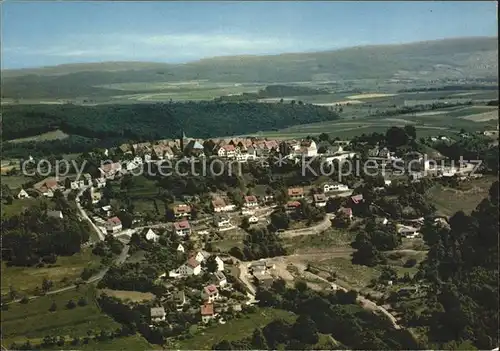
<point>53,306</point>
<point>24,300</point>
<point>258,340</point>
<point>71,304</point>
<point>396,137</point>
<point>82,301</point>
<point>245,223</point>
<point>305,330</point>
<point>211,264</point>
<point>410,131</point>
<point>46,285</point>
<point>280,220</point>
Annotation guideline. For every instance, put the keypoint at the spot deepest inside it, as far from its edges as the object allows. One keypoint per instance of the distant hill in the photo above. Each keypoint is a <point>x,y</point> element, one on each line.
<point>447,58</point>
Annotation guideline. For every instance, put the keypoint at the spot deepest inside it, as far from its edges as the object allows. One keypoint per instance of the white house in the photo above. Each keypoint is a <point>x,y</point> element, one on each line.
<point>228,151</point>
<point>319,200</point>
<point>307,148</point>
<point>222,221</point>
<point>109,170</point>
<point>181,248</point>
<point>158,314</point>
<point>99,182</point>
<point>113,225</point>
<point>191,267</point>
<point>219,205</point>
<point>182,228</point>
<point>106,210</point>
<point>210,293</point>
<point>220,278</point>
<point>253,219</point>
<point>201,256</point>
<point>327,188</point>
<point>77,184</point>
<point>23,194</point>
<point>152,236</point>
<point>182,211</point>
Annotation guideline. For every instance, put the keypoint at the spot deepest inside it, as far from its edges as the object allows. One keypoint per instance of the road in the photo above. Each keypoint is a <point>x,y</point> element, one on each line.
<point>84,215</point>
<point>315,229</point>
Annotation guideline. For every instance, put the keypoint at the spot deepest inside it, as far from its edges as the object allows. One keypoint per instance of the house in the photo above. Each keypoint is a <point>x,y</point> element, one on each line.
<point>191,267</point>
<point>219,205</point>
<point>210,293</point>
<point>55,214</point>
<point>327,188</point>
<point>220,279</point>
<point>260,266</point>
<point>263,279</point>
<point>110,170</point>
<point>201,256</point>
<point>106,210</point>
<point>228,151</point>
<point>46,187</point>
<point>295,193</point>
<point>221,221</point>
<point>207,313</point>
<point>253,219</point>
<point>251,202</point>
<point>408,232</point>
<point>356,199</point>
<point>151,235</point>
<point>345,211</point>
<point>99,182</point>
<point>180,300</point>
<point>158,314</point>
<point>113,225</point>
<point>182,211</point>
<point>292,206</point>
<point>182,228</point>
<point>268,198</point>
<point>23,194</point>
<point>247,212</point>
<point>95,196</point>
<point>220,264</point>
<point>307,148</point>
<point>319,200</point>
<point>181,248</point>
<point>77,184</point>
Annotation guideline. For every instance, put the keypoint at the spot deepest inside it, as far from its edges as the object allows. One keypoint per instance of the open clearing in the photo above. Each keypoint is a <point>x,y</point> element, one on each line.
<point>134,296</point>
<point>236,329</point>
<point>62,273</point>
<point>466,198</point>
<point>34,320</point>
<point>370,96</point>
<point>53,135</point>
<point>482,117</point>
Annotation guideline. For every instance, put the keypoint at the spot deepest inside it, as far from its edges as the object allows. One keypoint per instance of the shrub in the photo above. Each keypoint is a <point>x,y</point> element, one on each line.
<point>71,304</point>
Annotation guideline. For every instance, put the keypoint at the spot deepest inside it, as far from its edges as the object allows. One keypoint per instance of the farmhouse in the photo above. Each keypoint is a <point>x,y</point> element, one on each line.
<point>251,202</point>
<point>191,267</point>
<point>110,170</point>
<point>210,293</point>
<point>295,193</point>
<point>345,211</point>
<point>292,206</point>
<point>219,205</point>
<point>46,187</point>
<point>220,279</point>
<point>182,211</point>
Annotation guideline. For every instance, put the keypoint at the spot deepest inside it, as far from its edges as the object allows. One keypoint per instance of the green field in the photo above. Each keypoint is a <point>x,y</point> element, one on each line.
<point>132,343</point>
<point>16,181</point>
<point>62,273</point>
<point>17,206</point>
<point>52,135</point>
<point>34,320</point>
<point>465,198</point>
<point>235,329</point>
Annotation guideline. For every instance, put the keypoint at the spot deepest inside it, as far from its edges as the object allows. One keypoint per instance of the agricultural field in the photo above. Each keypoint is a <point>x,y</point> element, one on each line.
<point>62,273</point>
<point>465,198</point>
<point>34,320</point>
<point>205,338</point>
<point>52,135</point>
<point>134,296</point>
<point>19,205</point>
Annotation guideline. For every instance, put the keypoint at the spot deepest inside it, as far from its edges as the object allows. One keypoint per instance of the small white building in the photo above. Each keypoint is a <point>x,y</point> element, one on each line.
<point>210,293</point>
<point>253,219</point>
<point>319,200</point>
<point>55,214</point>
<point>181,248</point>
<point>191,267</point>
<point>113,225</point>
<point>327,188</point>
<point>220,279</point>
<point>207,313</point>
<point>152,236</point>
<point>251,202</point>
<point>158,314</point>
<point>222,221</point>
<point>23,194</point>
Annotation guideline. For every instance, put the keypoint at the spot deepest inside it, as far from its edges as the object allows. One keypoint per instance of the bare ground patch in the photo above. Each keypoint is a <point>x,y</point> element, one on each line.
<point>134,296</point>
<point>482,117</point>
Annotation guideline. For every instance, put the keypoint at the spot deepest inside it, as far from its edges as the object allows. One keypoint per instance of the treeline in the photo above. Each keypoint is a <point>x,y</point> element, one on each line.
<point>458,87</point>
<point>332,313</point>
<point>32,238</point>
<point>462,270</point>
<point>259,243</point>
<point>275,91</point>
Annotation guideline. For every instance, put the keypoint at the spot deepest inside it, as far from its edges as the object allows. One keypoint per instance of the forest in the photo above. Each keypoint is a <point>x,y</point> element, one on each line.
<point>95,126</point>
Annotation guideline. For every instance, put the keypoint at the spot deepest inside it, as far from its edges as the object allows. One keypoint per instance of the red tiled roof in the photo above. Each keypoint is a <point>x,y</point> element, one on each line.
<point>193,263</point>
<point>250,198</point>
<point>207,310</point>
<point>357,198</point>
<point>293,204</point>
<point>181,225</point>
<point>182,209</point>
<point>346,210</point>
<point>228,147</point>
<point>319,197</point>
<point>295,191</point>
<point>218,203</point>
<point>114,220</point>
<point>210,289</point>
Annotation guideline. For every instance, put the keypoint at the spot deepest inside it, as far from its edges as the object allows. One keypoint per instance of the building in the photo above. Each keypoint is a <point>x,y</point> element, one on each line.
<point>327,188</point>
<point>113,225</point>
<point>221,221</point>
<point>207,313</point>
<point>408,232</point>
<point>319,200</point>
<point>151,235</point>
<point>110,170</point>
<point>182,211</point>
<point>292,206</point>
<point>295,193</point>
<point>22,194</point>
<point>77,184</point>
<point>46,187</point>
<point>201,256</point>
<point>253,219</point>
<point>307,148</point>
<point>55,214</point>
<point>99,182</point>
<point>219,205</point>
<point>182,228</point>
<point>263,279</point>
<point>158,314</point>
<point>191,267</point>
<point>260,266</point>
<point>106,210</point>
<point>210,293</point>
<point>180,300</point>
<point>181,248</point>
<point>227,151</point>
<point>345,211</point>
<point>356,199</point>
<point>251,202</point>
<point>220,279</point>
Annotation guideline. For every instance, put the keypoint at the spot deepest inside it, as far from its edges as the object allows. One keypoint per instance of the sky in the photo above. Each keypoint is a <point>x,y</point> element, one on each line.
<point>46,33</point>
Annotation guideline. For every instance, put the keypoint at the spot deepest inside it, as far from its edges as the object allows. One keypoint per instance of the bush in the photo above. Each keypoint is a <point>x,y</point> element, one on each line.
<point>71,304</point>
<point>53,307</point>
<point>82,301</point>
<point>24,300</point>
<point>410,263</point>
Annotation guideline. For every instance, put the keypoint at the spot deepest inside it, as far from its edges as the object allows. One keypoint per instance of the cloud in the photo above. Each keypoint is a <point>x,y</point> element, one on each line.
<point>170,47</point>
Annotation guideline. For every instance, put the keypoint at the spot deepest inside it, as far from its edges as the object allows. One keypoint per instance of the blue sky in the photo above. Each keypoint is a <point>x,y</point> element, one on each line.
<point>47,33</point>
